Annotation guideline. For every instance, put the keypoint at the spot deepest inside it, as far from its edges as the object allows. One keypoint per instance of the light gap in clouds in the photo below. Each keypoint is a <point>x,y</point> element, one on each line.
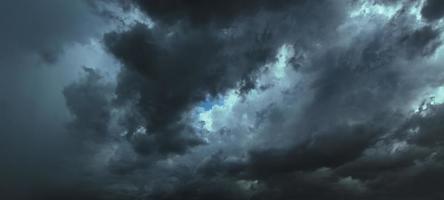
<point>215,114</point>
<point>369,8</point>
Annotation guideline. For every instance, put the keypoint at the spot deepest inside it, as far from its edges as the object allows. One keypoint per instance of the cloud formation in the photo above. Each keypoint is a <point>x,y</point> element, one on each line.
<point>237,100</point>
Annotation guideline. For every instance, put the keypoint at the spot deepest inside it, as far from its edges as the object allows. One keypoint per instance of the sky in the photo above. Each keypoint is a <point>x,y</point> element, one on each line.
<point>222,99</point>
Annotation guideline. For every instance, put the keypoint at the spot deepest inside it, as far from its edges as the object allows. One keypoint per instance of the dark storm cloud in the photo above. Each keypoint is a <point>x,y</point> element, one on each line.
<point>348,134</point>
<point>362,84</point>
<point>421,42</point>
<point>32,112</point>
<point>218,189</point>
<point>167,73</point>
<point>433,10</point>
<point>366,79</point>
<point>173,66</point>
<point>33,35</point>
<point>409,170</point>
<point>330,149</point>
<point>42,28</point>
<point>429,127</point>
<point>214,13</point>
<point>89,102</point>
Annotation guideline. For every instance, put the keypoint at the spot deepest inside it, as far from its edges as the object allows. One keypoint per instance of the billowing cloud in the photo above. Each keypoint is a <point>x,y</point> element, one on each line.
<point>230,100</point>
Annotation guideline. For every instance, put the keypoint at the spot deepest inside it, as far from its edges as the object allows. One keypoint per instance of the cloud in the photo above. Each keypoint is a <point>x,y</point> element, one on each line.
<point>33,114</point>
<point>231,100</point>
<point>166,76</point>
<point>330,149</point>
<point>338,143</point>
<point>214,13</point>
<point>432,10</point>
<point>89,102</point>
<point>172,67</point>
<point>43,28</point>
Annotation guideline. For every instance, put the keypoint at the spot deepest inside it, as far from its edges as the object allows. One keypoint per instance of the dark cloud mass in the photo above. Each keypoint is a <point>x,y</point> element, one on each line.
<point>169,74</point>
<point>215,12</point>
<point>433,10</point>
<point>229,100</point>
<point>90,105</point>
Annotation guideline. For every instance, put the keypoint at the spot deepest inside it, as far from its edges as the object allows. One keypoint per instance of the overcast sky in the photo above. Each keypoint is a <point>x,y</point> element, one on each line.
<point>222,99</point>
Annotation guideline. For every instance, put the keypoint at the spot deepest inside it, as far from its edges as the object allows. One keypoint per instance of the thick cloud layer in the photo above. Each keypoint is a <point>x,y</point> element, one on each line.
<point>433,10</point>
<point>211,13</point>
<point>175,65</point>
<point>41,45</point>
<point>228,100</point>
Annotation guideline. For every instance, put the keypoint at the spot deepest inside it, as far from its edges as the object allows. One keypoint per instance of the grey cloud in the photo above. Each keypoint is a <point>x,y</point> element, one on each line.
<point>335,120</point>
<point>170,74</point>
<point>90,102</point>
<point>42,28</point>
<point>433,10</point>
<point>330,149</point>
<point>360,83</point>
<point>211,13</point>
<point>32,112</point>
<point>172,67</point>
<point>340,145</point>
